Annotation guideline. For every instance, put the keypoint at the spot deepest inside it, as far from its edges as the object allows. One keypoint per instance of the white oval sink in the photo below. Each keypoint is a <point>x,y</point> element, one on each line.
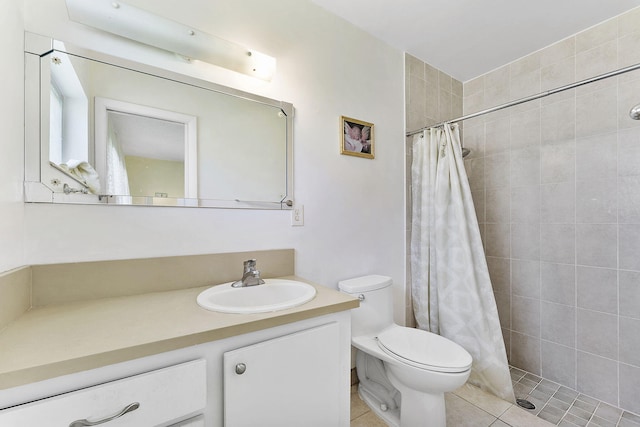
<point>273,295</point>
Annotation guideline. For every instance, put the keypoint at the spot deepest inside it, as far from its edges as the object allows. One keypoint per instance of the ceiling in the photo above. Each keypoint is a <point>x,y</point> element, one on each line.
<point>149,137</point>
<point>468,38</point>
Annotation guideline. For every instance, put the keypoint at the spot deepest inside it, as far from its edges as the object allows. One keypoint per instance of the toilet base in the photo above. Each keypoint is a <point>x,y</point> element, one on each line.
<point>422,409</point>
<point>390,416</point>
<point>417,410</point>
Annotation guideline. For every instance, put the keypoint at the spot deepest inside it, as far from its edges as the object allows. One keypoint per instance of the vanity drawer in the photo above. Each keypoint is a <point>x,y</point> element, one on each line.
<point>162,396</point>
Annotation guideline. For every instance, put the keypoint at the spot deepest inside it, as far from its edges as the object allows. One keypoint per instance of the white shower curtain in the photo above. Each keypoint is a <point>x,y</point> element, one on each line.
<point>117,177</point>
<point>451,289</point>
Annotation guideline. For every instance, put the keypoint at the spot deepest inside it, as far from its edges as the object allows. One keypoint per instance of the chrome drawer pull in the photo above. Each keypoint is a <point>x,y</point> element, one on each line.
<point>86,423</point>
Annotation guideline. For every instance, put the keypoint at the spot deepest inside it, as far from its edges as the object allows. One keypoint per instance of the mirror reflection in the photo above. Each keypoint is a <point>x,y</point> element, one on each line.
<point>140,138</point>
<point>145,156</point>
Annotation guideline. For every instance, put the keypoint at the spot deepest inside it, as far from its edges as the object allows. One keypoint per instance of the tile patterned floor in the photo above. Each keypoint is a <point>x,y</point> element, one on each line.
<point>557,405</point>
<point>565,407</point>
<point>466,407</point>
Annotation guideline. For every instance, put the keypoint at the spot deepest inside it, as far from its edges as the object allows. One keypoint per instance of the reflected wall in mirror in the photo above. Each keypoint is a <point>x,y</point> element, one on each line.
<point>133,134</point>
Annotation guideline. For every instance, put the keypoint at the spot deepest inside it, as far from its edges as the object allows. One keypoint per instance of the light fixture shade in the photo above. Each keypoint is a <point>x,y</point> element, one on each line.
<point>136,24</point>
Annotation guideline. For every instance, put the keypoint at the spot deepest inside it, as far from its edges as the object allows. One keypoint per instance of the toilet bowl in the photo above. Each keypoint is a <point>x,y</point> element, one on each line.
<point>403,372</point>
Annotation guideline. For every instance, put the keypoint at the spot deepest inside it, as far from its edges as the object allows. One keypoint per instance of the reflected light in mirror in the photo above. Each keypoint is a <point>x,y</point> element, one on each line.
<point>124,20</point>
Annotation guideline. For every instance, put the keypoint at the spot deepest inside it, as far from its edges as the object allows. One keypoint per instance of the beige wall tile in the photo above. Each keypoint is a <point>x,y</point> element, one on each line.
<point>629,388</point>
<point>628,50</point>
<point>629,295</point>
<point>597,377</point>
<point>557,52</point>
<point>497,136</point>
<point>557,161</point>
<point>558,283</point>
<point>558,74</point>
<point>525,205</point>
<point>559,363</point>
<point>497,172</point>
<point>431,74</point>
<point>525,241</point>
<point>598,60</point>
<point>414,67</point>
<point>602,33</point>
<point>526,65</point>
<point>597,333</point>
<point>473,86</point>
<point>595,112</point>
<point>525,129</point>
<point>497,240</point>
<point>629,246</point>
<point>473,103</point>
<point>525,280</point>
<point>445,81</point>
<point>498,77</point>
<point>630,341</point>
<point>525,84</point>
<point>525,354</point>
<point>496,95</point>
<point>558,323</point>
<point>497,206</point>
<point>457,87</point>
<point>629,22</point>
<point>527,321</point>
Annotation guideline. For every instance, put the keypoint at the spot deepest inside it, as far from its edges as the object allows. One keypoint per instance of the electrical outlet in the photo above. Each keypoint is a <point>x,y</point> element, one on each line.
<point>297,215</point>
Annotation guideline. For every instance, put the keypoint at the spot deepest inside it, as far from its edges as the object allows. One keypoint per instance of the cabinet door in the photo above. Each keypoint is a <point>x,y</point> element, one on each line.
<point>191,422</point>
<point>288,381</point>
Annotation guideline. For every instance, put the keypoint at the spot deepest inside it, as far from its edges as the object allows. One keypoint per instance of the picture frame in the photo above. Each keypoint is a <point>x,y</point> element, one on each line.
<point>357,138</point>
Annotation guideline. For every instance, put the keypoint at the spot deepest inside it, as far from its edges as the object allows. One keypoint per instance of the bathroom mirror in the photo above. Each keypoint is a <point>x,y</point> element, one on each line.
<point>106,130</point>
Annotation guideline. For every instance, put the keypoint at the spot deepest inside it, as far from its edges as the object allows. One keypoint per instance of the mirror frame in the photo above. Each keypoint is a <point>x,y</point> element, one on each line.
<point>37,132</point>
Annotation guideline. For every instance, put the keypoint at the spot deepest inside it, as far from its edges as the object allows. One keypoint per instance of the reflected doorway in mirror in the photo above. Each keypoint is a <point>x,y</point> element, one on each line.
<point>138,146</point>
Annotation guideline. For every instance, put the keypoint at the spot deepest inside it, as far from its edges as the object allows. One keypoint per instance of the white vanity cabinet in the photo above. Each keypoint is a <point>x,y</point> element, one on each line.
<point>158,398</point>
<point>286,381</point>
<point>296,374</point>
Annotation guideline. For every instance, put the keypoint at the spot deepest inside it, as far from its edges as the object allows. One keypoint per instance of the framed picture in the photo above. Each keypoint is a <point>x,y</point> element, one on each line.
<point>357,138</point>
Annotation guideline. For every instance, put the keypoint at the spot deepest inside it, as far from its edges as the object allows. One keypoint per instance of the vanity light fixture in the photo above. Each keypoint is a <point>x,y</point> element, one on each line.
<point>136,24</point>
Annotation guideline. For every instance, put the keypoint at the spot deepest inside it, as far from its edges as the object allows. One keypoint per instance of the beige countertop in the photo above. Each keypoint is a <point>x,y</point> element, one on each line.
<point>66,338</point>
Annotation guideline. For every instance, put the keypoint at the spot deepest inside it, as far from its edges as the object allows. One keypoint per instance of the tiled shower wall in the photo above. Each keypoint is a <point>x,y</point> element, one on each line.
<point>431,96</point>
<point>556,184</point>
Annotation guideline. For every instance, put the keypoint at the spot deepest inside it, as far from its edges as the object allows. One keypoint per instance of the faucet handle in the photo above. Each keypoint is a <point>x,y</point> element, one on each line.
<point>256,276</point>
<point>250,263</point>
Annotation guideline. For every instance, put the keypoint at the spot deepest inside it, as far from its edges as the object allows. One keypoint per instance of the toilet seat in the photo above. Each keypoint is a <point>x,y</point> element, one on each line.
<point>424,350</point>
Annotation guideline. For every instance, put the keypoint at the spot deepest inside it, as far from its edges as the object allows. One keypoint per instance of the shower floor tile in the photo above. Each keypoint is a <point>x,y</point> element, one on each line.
<point>565,407</point>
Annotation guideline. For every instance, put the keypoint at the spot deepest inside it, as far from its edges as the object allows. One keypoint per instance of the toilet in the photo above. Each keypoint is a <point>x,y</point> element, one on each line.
<point>403,372</point>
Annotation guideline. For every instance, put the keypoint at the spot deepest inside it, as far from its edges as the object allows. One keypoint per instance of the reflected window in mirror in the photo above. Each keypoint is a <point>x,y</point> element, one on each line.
<point>55,126</point>
<point>69,111</point>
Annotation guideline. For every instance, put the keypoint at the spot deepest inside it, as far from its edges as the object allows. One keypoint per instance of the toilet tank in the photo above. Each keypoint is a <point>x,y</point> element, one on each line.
<point>376,303</point>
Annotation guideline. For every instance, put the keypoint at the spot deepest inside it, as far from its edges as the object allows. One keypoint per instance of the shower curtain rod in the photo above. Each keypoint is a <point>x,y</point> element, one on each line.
<point>532,97</point>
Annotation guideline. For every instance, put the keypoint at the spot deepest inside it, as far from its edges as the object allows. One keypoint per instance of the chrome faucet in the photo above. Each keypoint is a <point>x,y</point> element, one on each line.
<point>250,277</point>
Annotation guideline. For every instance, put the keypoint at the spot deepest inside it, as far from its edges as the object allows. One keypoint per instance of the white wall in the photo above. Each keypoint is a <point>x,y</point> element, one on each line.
<point>11,140</point>
<point>354,207</point>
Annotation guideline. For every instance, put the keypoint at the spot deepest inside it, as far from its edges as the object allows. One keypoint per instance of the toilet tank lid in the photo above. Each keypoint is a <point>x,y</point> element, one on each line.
<point>364,284</point>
